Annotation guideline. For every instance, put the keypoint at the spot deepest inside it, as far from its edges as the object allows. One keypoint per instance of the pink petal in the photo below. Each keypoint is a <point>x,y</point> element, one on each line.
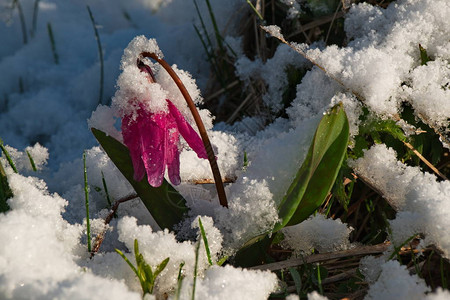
<point>153,148</point>
<point>131,138</point>
<point>173,154</point>
<point>189,134</point>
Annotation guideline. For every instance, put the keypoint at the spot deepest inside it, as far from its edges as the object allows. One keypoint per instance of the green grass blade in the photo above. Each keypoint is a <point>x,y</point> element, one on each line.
<point>205,241</point>
<point>203,26</point>
<point>105,188</point>
<point>319,280</point>
<point>319,170</point>
<point>35,14</point>
<point>222,260</point>
<point>161,267</point>
<point>52,43</point>
<point>216,28</point>
<point>30,158</point>
<point>179,281</point>
<point>86,195</point>
<point>8,158</point>
<point>128,262</point>
<point>254,9</point>
<point>22,20</point>
<point>164,203</point>
<point>197,248</point>
<point>100,54</point>
<point>297,280</point>
<point>5,190</point>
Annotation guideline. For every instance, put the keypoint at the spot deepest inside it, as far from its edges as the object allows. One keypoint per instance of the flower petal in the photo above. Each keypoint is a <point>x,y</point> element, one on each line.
<point>153,147</point>
<point>132,139</point>
<point>173,154</point>
<point>189,134</point>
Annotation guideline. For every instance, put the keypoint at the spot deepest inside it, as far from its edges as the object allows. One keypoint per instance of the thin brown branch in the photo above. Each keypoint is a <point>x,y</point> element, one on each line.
<point>201,128</point>
<point>360,251</point>
<point>430,165</point>
<point>100,237</point>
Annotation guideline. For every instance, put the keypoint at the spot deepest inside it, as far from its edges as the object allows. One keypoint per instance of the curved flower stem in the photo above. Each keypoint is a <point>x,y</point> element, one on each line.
<point>201,128</point>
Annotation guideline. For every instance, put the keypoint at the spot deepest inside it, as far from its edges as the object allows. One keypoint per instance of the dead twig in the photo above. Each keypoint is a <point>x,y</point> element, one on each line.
<point>360,251</point>
<point>100,237</point>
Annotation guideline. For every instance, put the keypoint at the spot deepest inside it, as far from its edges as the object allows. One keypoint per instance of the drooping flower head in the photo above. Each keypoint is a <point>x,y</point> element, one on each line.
<point>151,123</point>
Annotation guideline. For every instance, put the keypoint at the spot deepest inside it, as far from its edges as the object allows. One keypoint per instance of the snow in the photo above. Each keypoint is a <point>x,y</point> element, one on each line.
<point>44,107</point>
<point>421,199</point>
<point>324,235</point>
<point>231,283</point>
<point>396,283</point>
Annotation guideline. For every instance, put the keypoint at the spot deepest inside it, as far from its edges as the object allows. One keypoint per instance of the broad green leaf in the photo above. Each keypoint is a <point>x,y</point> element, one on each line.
<point>164,203</point>
<point>318,172</point>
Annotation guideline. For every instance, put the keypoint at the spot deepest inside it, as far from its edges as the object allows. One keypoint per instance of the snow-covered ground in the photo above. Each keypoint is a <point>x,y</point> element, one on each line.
<point>43,240</point>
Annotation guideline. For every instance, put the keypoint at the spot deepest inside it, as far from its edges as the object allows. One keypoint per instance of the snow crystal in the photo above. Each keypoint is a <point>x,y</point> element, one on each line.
<point>421,199</point>
<point>231,283</point>
<point>395,282</point>
<point>324,235</point>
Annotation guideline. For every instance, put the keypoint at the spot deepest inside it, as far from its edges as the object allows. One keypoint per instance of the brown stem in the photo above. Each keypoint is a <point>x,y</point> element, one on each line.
<point>99,238</point>
<point>201,128</point>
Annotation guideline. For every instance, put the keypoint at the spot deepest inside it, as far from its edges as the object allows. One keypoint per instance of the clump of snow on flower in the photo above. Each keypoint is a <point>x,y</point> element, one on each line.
<point>318,232</point>
<point>135,90</point>
<point>421,199</point>
<point>395,282</point>
<point>103,118</point>
<point>231,283</point>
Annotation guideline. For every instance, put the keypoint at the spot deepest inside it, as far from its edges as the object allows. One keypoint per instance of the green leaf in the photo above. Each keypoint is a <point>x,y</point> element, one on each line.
<point>164,203</point>
<point>205,241</point>
<point>424,58</point>
<point>5,191</point>
<point>161,267</point>
<point>318,172</point>
<point>128,262</point>
<point>297,280</point>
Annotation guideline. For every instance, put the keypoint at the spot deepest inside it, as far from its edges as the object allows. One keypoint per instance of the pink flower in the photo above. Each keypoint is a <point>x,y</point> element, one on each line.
<point>153,141</point>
